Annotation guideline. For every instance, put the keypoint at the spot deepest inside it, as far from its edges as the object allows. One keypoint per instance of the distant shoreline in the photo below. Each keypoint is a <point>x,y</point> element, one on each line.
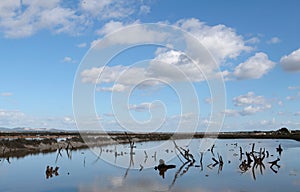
<point>294,134</point>
<point>20,144</point>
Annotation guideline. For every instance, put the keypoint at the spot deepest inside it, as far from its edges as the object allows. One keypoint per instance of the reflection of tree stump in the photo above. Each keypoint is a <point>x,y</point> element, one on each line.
<point>244,166</point>
<point>50,172</point>
<point>258,157</point>
<point>241,153</point>
<point>249,160</point>
<point>279,149</point>
<point>274,163</point>
<point>162,168</point>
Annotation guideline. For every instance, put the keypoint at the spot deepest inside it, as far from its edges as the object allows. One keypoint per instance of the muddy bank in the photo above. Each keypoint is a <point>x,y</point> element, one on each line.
<point>21,147</point>
<point>294,135</point>
<point>19,144</point>
<point>22,144</point>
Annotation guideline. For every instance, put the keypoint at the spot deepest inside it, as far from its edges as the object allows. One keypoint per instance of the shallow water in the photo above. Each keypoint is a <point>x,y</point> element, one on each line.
<point>114,170</point>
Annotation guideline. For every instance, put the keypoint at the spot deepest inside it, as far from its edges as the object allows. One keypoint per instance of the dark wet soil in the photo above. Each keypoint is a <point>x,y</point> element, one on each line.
<point>21,144</point>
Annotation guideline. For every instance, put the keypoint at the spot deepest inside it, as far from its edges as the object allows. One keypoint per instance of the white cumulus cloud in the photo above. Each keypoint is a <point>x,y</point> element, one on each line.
<point>251,104</point>
<point>137,34</point>
<point>107,9</point>
<point>291,62</point>
<point>111,26</point>
<point>248,99</point>
<point>250,110</point>
<point>255,67</point>
<point>24,18</point>
<point>223,42</point>
<point>168,67</point>
<point>122,76</point>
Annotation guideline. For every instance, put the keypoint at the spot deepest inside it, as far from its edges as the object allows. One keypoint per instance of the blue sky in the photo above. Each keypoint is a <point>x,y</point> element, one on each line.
<point>255,44</point>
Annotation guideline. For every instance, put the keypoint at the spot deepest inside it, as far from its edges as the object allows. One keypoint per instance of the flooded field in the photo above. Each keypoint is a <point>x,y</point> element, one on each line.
<point>228,165</point>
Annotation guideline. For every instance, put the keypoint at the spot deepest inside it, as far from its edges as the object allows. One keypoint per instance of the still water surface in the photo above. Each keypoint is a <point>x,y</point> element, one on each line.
<point>86,171</point>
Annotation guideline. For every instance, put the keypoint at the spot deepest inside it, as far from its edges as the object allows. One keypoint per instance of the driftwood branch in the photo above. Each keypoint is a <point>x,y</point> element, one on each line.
<point>177,174</point>
<point>185,153</point>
